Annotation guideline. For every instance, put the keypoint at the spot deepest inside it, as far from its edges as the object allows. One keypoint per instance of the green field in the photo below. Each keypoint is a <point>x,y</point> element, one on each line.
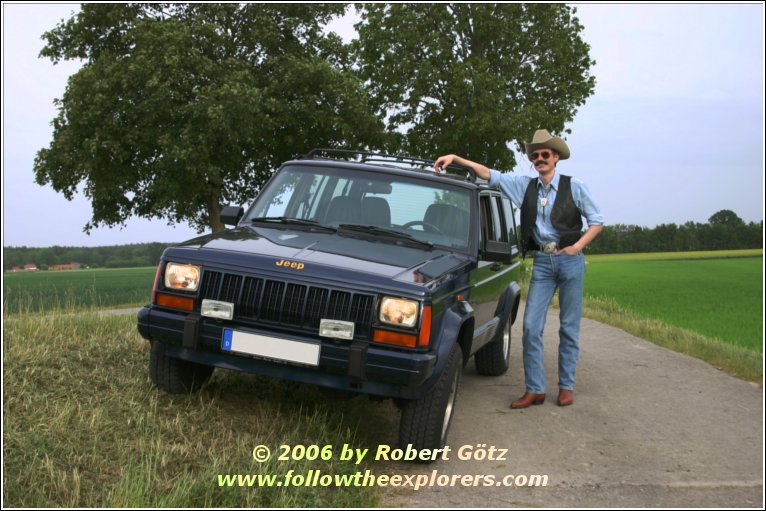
<point>76,289</point>
<point>718,298</point>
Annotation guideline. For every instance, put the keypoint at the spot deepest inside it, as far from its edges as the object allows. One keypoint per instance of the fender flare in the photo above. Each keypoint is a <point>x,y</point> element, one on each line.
<point>454,319</point>
<point>508,305</point>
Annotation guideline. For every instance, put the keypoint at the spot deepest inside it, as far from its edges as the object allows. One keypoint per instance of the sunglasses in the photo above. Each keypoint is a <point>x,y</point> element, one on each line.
<point>542,154</point>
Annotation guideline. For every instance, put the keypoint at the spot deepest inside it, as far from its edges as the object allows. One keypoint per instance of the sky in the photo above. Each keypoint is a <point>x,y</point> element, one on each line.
<point>673,133</point>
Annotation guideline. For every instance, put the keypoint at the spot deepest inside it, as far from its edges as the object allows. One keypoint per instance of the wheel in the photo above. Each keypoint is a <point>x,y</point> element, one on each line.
<point>408,225</point>
<point>176,376</point>
<point>495,358</point>
<point>425,422</point>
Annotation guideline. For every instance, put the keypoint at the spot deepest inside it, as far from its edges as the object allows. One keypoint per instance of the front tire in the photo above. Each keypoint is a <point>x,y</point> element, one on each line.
<point>494,359</point>
<point>425,422</point>
<point>176,376</point>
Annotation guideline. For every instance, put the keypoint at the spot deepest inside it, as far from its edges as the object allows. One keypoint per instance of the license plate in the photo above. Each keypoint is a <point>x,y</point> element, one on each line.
<point>272,348</point>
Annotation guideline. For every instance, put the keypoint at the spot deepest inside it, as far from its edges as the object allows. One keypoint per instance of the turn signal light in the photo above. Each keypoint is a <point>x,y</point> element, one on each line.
<point>425,327</point>
<point>397,338</point>
<point>156,280</point>
<point>177,302</point>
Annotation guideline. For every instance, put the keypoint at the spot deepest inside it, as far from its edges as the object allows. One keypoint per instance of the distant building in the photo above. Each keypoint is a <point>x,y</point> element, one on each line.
<point>69,266</point>
<point>30,267</point>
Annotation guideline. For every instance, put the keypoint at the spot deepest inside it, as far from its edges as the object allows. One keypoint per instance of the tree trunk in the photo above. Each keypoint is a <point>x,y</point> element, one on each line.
<point>214,213</point>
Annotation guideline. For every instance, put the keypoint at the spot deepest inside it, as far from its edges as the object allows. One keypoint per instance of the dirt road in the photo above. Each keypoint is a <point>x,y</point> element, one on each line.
<point>649,428</point>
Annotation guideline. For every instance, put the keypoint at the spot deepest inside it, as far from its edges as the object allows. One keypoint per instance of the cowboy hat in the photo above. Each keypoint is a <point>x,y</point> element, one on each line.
<point>544,139</point>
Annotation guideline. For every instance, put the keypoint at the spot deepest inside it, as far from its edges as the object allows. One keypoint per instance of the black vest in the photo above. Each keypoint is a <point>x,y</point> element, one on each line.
<point>565,216</point>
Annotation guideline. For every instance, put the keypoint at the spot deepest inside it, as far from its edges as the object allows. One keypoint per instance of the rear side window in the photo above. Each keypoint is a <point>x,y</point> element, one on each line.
<point>493,222</point>
<point>508,214</point>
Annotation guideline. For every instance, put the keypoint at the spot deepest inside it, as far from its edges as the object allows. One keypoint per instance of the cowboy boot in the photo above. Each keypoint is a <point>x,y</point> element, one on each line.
<point>528,399</point>
<point>566,397</point>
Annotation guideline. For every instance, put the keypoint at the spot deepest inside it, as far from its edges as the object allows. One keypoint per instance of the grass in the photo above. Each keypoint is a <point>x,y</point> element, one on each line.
<point>84,427</point>
<point>717,298</point>
<point>76,289</point>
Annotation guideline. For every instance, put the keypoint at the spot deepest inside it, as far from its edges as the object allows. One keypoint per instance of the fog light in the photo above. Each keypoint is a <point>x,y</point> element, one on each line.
<point>337,329</point>
<point>217,310</point>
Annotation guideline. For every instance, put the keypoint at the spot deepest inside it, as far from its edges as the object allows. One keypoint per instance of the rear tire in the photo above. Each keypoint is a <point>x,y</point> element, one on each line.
<point>494,359</point>
<point>176,376</point>
<point>425,422</point>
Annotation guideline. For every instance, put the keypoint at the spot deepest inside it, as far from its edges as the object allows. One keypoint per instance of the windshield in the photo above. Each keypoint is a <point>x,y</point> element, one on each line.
<point>429,212</point>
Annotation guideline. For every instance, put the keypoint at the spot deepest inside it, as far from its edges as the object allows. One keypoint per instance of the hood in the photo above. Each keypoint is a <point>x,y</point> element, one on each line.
<point>318,252</point>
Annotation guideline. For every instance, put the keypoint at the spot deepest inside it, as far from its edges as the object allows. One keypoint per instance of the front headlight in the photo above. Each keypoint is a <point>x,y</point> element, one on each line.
<point>399,312</point>
<point>182,277</point>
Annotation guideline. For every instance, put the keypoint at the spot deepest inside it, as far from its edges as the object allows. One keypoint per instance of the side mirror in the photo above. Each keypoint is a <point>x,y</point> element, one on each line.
<point>231,215</point>
<point>497,251</point>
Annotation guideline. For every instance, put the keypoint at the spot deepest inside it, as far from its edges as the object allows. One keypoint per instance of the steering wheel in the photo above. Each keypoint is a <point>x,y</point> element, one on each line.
<point>409,225</point>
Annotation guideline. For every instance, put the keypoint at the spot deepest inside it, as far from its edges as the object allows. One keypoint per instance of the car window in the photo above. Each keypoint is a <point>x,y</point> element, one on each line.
<point>410,202</point>
<point>500,220</point>
<point>508,213</point>
<point>487,231</point>
<point>495,224</point>
<point>425,209</point>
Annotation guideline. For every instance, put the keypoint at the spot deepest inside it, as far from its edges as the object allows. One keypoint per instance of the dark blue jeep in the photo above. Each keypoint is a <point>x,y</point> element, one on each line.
<point>374,276</point>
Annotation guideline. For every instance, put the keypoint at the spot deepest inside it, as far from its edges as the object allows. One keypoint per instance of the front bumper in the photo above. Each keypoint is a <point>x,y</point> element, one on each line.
<point>359,366</point>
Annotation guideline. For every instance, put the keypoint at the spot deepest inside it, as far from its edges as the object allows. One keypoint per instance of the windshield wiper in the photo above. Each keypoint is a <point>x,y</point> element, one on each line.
<point>391,233</point>
<point>292,221</point>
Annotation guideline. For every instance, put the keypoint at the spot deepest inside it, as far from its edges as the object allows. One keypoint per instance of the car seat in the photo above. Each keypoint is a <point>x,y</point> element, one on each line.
<point>343,210</point>
<point>450,221</point>
<point>376,211</point>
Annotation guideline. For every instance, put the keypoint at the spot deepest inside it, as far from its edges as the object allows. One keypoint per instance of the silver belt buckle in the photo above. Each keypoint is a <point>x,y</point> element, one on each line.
<point>549,247</point>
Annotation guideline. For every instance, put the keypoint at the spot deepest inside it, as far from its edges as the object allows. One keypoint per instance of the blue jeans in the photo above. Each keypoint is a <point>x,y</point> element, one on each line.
<point>567,273</point>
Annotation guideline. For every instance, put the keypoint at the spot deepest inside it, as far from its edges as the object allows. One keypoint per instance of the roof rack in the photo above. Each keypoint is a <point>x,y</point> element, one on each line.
<point>463,172</point>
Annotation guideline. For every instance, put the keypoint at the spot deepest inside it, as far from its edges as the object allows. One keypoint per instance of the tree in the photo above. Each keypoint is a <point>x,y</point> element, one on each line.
<point>726,217</point>
<point>664,237</point>
<point>473,78</point>
<point>180,109</point>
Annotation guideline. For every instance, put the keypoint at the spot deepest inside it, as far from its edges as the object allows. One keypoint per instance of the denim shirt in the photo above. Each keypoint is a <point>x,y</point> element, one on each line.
<point>516,186</point>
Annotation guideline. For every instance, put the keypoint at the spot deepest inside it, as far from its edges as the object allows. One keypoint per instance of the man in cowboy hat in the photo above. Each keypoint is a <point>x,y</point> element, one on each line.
<point>552,207</point>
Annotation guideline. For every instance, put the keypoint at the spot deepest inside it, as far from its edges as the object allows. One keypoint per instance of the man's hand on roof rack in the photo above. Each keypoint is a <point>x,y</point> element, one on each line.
<point>477,169</point>
<point>443,161</point>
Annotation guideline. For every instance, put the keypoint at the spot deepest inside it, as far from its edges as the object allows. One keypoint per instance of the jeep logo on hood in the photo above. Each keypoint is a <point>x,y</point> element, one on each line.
<point>287,264</point>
